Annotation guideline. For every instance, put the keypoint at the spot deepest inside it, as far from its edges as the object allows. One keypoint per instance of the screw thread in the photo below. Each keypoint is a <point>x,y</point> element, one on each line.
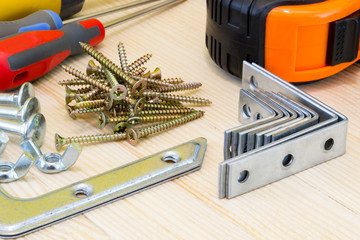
<point>173,80</point>
<point>169,124</point>
<point>117,119</point>
<point>161,106</point>
<point>86,78</point>
<point>137,63</point>
<point>91,104</point>
<point>72,82</point>
<point>170,97</point>
<point>90,94</point>
<point>153,82</point>
<point>95,138</point>
<point>122,57</point>
<point>138,71</point>
<point>111,78</point>
<point>107,63</point>
<point>88,110</point>
<point>179,87</point>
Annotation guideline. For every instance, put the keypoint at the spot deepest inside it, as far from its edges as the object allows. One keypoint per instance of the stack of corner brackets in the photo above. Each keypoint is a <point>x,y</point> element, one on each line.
<point>284,131</point>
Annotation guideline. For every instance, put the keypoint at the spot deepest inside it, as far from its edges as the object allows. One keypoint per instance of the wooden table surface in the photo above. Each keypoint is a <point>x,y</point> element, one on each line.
<point>321,202</point>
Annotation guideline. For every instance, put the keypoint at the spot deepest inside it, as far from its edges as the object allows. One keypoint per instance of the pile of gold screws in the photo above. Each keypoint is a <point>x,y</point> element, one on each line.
<point>128,96</point>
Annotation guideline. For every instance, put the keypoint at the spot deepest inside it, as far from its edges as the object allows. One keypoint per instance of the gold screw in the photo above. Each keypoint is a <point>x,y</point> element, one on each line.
<point>122,57</point>
<point>137,63</point>
<point>61,141</point>
<point>137,86</point>
<point>179,87</point>
<point>92,68</point>
<point>72,82</point>
<point>170,97</point>
<point>133,135</point>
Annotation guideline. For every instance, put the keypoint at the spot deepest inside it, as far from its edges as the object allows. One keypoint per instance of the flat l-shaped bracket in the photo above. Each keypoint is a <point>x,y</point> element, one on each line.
<point>21,216</point>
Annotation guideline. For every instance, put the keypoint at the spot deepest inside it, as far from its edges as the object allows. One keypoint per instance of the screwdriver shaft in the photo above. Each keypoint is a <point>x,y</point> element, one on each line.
<point>109,10</point>
<point>140,12</point>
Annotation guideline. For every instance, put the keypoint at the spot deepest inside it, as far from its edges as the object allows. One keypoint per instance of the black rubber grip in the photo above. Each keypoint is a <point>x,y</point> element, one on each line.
<point>70,7</point>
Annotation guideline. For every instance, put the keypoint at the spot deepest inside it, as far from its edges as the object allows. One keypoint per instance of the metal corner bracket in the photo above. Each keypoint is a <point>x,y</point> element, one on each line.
<point>284,131</point>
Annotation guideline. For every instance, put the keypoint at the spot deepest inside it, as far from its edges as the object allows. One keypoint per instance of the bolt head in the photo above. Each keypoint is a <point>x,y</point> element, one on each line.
<point>31,106</point>
<point>26,91</point>
<point>35,128</point>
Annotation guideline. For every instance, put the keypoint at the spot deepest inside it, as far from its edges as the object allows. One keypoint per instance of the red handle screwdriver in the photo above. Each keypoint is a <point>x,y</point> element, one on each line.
<point>27,56</point>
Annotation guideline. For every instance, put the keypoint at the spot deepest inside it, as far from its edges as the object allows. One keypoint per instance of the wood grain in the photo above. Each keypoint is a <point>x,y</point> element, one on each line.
<point>320,203</point>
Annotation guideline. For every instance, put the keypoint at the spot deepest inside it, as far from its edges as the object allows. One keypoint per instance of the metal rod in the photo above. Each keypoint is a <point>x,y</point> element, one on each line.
<point>143,11</point>
<point>109,10</point>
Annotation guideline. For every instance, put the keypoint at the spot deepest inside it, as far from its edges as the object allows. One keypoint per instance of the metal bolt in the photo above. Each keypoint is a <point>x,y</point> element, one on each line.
<point>22,113</point>
<point>26,91</point>
<point>170,97</point>
<point>61,141</point>
<point>4,140</point>
<point>137,86</point>
<point>133,135</point>
<point>34,127</point>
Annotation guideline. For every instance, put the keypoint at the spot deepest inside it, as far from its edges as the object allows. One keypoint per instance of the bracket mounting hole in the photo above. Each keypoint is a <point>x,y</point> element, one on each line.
<point>243,177</point>
<point>253,83</point>
<point>246,111</point>
<point>83,191</point>
<point>329,144</point>
<point>258,116</point>
<point>171,157</point>
<point>288,160</point>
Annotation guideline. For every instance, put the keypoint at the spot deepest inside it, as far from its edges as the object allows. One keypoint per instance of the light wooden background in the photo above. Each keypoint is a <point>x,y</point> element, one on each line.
<point>319,203</point>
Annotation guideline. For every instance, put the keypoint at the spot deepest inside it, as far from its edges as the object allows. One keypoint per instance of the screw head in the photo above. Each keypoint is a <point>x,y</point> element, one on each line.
<point>131,136</point>
<point>138,88</point>
<point>118,92</point>
<point>101,120</point>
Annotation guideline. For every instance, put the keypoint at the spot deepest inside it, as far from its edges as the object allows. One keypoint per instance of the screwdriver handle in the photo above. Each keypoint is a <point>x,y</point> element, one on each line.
<point>29,55</point>
<point>40,20</point>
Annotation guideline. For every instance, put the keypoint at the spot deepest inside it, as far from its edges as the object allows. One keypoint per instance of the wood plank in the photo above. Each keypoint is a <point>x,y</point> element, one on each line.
<point>322,202</point>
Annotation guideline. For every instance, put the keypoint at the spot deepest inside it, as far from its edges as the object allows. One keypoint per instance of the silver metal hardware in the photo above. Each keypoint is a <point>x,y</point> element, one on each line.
<point>30,107</point>
<point>22,216</point>
<point>4,139</point>
<point>302,133</point>
<point>26,91</point>
<point>10,172</point>
<point>34,127</point>
<point>52,162</point>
